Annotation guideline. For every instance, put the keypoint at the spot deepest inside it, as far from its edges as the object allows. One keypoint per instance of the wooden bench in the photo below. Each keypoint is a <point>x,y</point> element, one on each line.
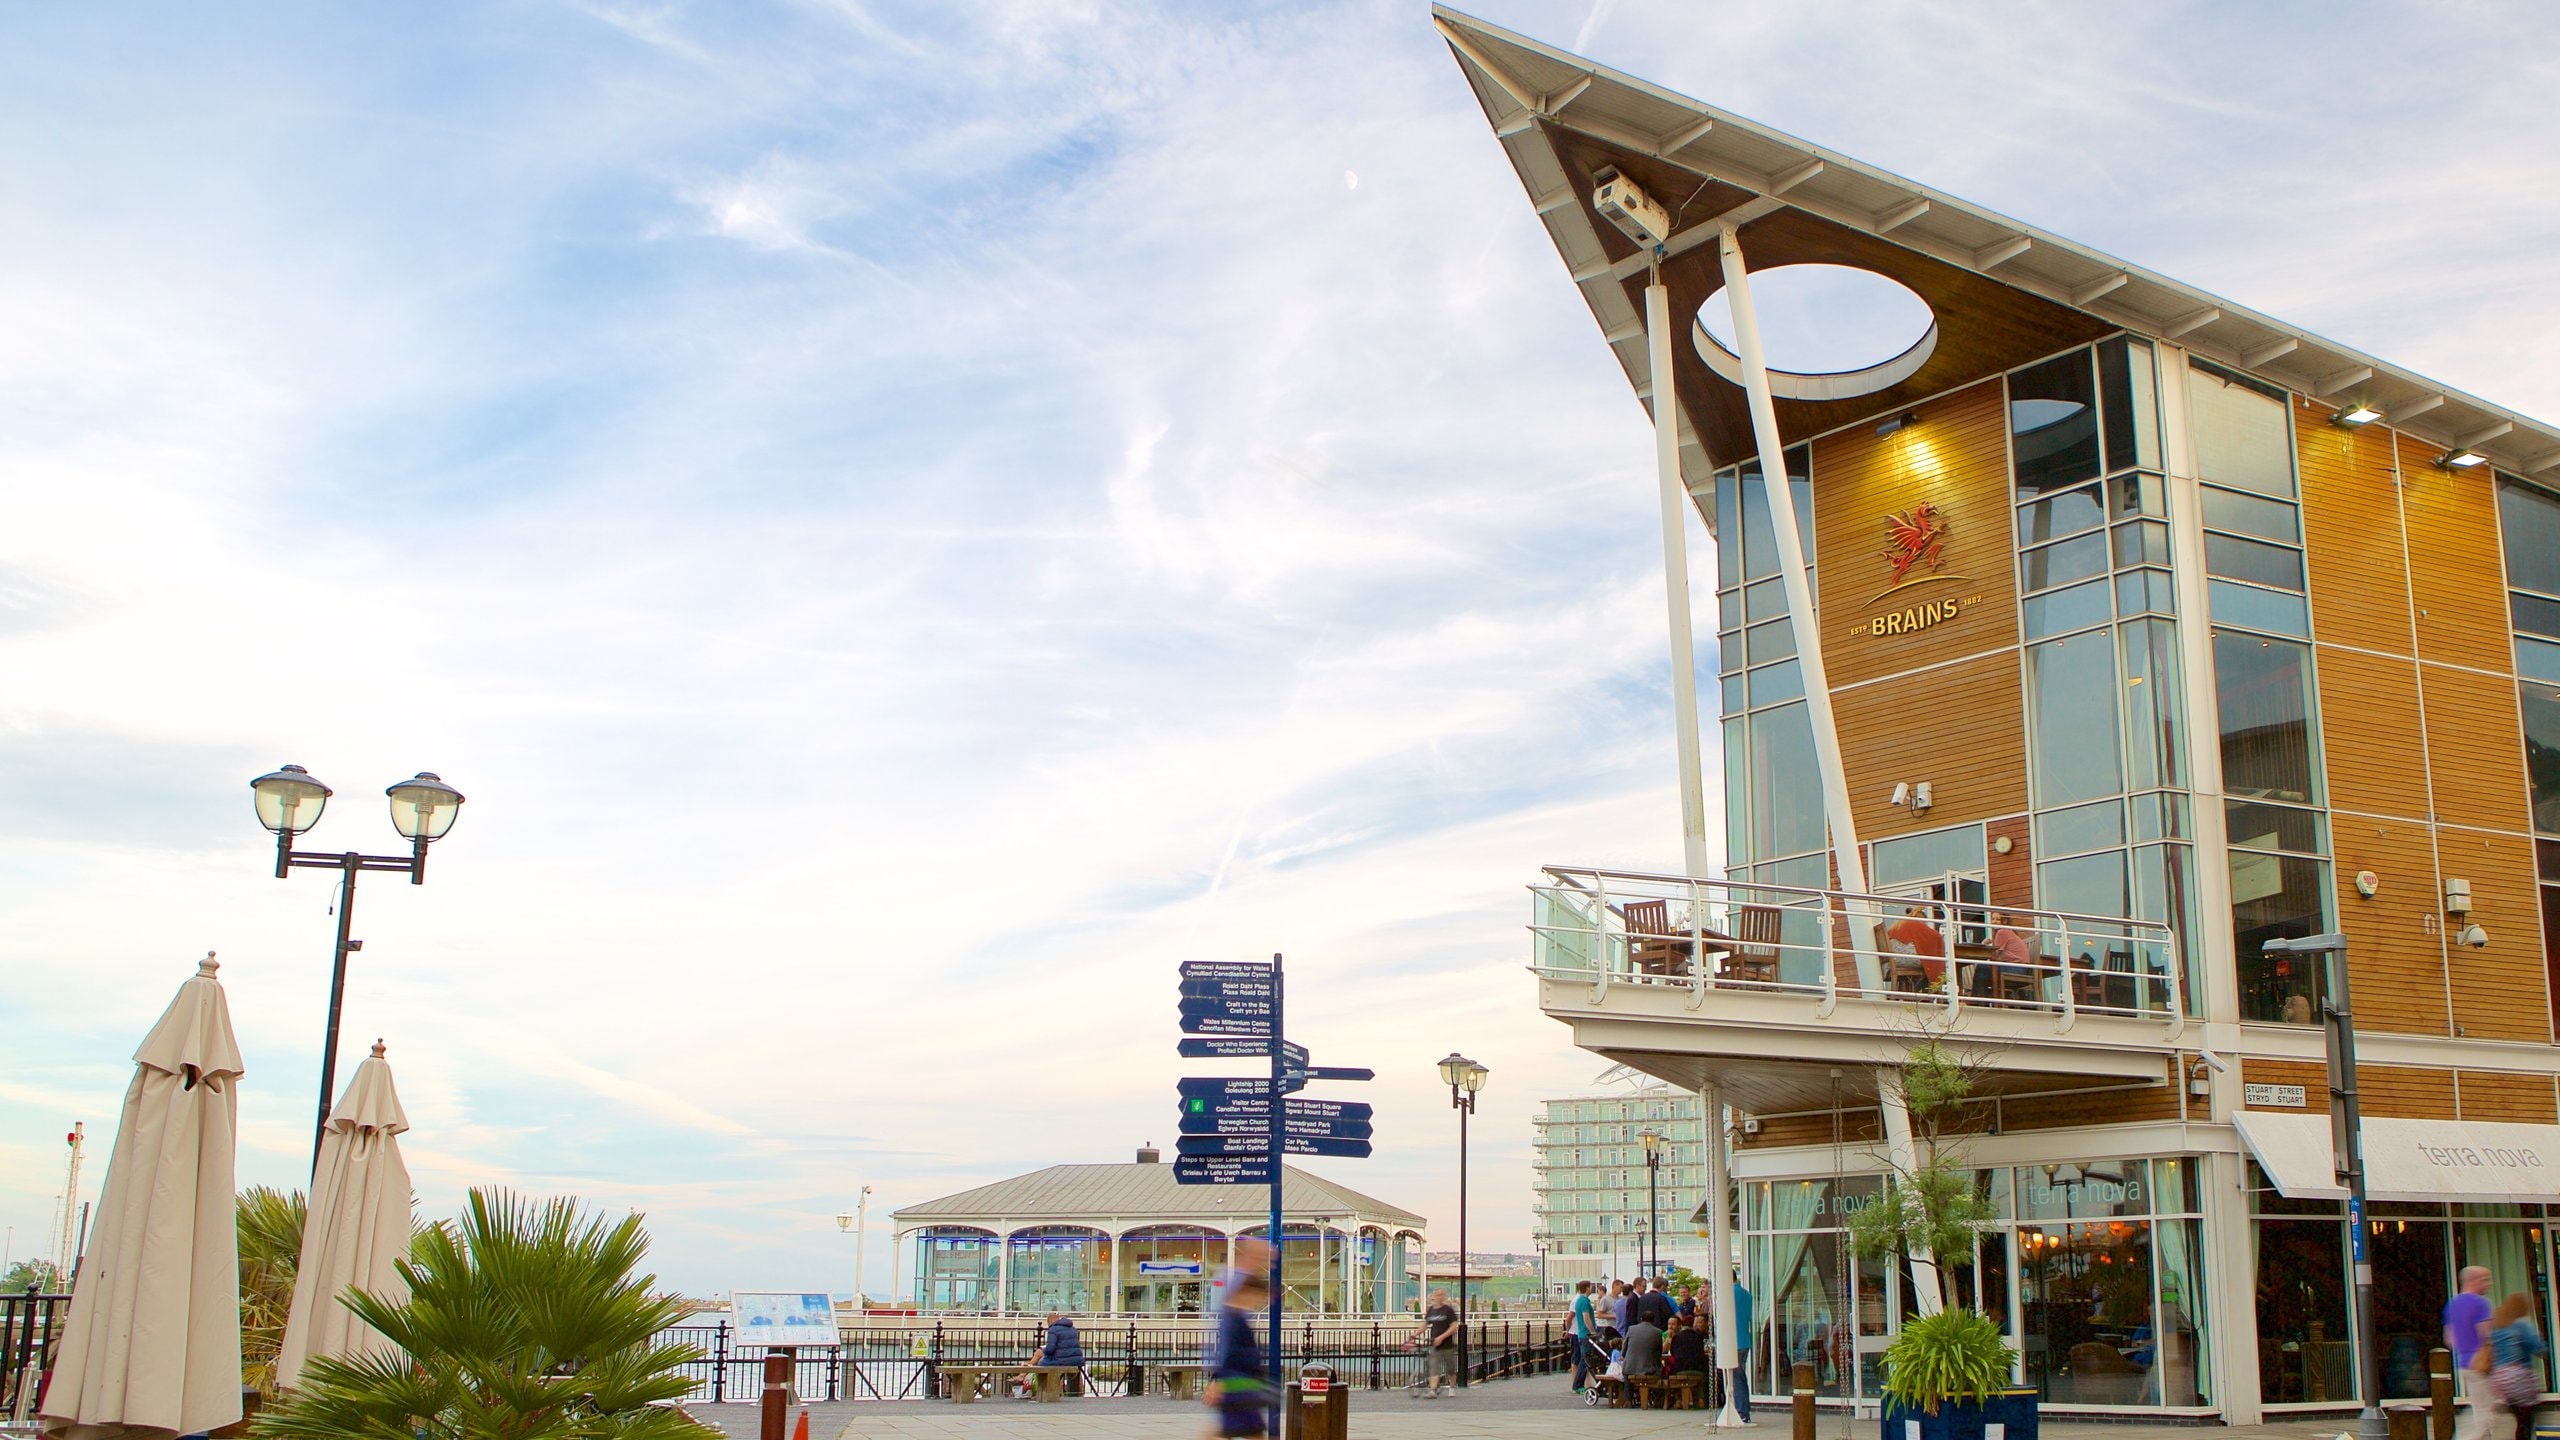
<point>966,1383</point>
<point>1181,1381</point>
<point>1048,1382</point>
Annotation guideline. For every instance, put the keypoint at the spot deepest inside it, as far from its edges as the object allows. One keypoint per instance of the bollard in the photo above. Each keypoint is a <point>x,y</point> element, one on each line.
<point>2440,1392</point>
<point>773,1423</point>
<point>1803,1399</point>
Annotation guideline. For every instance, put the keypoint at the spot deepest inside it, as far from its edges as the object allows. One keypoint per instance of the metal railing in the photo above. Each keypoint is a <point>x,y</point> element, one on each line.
<point>906,1362</point>
<point>30,1329</point>
<point>1702,936</point>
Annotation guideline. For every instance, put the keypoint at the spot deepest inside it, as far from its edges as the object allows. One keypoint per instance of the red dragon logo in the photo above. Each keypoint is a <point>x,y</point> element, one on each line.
<point>1916,537</point>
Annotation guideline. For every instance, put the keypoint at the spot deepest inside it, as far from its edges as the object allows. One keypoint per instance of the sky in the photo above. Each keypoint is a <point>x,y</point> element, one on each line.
<point>910,521</point>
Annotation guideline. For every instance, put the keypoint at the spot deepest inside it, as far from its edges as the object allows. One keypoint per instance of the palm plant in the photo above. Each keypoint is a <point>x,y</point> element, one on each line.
<point>523,1322</point>
<point>270,1249</point>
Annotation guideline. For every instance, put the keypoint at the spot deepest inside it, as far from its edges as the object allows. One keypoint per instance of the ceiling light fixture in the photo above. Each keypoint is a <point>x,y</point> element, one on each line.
<point>2462,459</point>
<point>1898,422</point>
<point>2357,414</point>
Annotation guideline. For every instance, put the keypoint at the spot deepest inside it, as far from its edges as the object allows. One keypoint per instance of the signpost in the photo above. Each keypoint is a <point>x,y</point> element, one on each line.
<point>1233,1009</point>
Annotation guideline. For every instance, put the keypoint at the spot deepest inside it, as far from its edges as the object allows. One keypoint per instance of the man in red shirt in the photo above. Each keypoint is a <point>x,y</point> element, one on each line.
<point>1914,934</point>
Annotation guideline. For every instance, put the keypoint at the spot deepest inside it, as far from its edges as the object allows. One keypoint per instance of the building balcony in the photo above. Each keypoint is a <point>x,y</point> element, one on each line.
<point>1792,999</point>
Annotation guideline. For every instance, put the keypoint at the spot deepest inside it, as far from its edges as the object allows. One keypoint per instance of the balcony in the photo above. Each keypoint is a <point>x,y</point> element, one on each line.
<point>1762,989</point>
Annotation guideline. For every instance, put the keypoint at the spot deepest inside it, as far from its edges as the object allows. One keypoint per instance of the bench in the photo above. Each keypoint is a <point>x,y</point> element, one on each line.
<point>1181,1381</point>
<point>965,1383</point>
<point>1048,1382</point>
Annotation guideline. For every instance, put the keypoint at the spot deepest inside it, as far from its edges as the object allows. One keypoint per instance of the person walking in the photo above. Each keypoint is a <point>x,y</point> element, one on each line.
<point>1440,1343</point>
<point>1238,1390</point>
<point>2515,1352</point>
<point>1582,1327</point>
<point>1738,1384</point>
<point>2466,1327</point>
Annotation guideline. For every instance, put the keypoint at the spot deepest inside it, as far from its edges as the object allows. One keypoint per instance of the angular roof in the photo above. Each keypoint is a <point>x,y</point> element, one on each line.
<point>1067,1193</point>
<point>2002,289</point>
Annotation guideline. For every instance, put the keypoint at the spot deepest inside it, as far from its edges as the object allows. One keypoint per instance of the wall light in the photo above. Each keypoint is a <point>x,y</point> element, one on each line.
<point>2359,414</point>
<point>1898,422</point>
<point>2462,459</point>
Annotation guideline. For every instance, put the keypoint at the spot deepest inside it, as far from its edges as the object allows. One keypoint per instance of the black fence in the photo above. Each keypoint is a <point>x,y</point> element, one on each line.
<point>905,1363</point>
<point>30,1327</point>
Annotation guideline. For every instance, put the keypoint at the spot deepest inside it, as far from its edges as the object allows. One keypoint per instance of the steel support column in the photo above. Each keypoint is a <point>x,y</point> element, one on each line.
<point>1659,333</point>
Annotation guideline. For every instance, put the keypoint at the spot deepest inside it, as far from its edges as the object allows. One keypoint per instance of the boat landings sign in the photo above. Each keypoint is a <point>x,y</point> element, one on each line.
<point>1913,618</point>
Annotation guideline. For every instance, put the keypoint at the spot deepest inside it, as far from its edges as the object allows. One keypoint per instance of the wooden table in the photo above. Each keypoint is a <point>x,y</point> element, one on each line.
<point>1670,954</point>
<point>1181,1381</point>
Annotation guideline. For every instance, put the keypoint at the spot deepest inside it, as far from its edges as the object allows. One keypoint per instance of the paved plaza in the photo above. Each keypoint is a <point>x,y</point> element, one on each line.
<point>1501,1410</point>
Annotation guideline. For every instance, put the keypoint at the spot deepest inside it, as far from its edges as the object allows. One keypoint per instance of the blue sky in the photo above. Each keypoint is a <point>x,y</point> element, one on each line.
<point>909,521</point>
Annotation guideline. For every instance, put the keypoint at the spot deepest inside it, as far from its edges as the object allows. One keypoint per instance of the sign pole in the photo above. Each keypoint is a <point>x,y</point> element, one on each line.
<point>1279,1125</point>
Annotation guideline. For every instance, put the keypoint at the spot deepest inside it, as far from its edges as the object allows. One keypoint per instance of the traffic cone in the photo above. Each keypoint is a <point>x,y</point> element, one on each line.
<point>801,1430</point>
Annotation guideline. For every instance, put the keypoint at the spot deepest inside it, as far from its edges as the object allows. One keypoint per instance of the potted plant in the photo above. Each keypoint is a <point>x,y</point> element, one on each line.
<point>1947,1374</point>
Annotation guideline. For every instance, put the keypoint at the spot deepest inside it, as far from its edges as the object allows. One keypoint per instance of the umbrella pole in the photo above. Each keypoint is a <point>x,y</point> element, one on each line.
<point>337,997</point>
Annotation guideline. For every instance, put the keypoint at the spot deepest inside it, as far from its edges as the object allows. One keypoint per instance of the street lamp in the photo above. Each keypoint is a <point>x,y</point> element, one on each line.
<point>2346,1153</point>
<point>1653,1142</point>
<point>1465,1078</point>
<point>289,802</point>
<point>859,1223</point>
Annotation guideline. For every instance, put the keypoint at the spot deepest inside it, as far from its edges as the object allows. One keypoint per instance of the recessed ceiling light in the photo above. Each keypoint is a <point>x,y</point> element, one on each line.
<point>2358,415</point>
<point>2462,459</point>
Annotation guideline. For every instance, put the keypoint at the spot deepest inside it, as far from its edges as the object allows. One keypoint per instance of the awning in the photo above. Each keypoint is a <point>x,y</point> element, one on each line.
<point>2418,1161</point>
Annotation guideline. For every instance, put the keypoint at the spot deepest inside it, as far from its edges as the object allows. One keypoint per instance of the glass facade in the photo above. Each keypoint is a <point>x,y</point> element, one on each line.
<point>1162,1269</point>
<point>956,1268</point>
<point>2094,1269</point>
<point>1589,1177</point>
<point>2307,1343</point>
<point>2529,522</point>
<point>2106,710</point>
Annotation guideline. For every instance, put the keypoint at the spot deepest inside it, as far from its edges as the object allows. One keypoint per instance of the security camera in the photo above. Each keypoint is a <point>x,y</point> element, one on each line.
<point>2473,936</point>
<point>2220,1065</point>
<point>1901,793</point>
<point>1623,204</point>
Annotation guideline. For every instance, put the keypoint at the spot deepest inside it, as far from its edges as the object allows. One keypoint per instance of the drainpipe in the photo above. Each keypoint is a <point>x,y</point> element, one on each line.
<point>1817,693</point>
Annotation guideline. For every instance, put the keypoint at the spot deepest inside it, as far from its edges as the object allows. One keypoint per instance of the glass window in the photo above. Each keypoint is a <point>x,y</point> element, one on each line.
<point>2162,816</point>
<point>2251,515</point>
<point>2529,519</point>
<point>1759,538</point>
<point>2542,753</point>
<point>1765,600</point>
<point>1733,695</point>
<point>1772,684</point>
<point>2262,689</point>
<point>2277,827</point>
<point>1737,789</point>
<point>2131,495</point>
<point>2257,609</point>
<point>2535,614</point>
<point>2133,404</point>
<point>2085,885</point>
<point>2306,1353</point>
<point>1773,641</point>
<point>2277,897</point>
<point>2085,1305</point>
<point>2053,423</point>
<point>2538,660</point>
<point>2155,741</point>
<point>2259,563</point>
<point>2055,516</point>
<point>2058,612</point>
<point>2096,1190</point>
<point>2146,591</point>
<point>1729,652</point>
<point>1728,530</point>
<point>2083,827</point>
<point>1786,799</point>
<point>2243,437</point>
<point>2142,542</point>
<point>1728,609</point>
<point>2065,562</point>
<point>2164,890</point>
<point>2071,707</point>
<point>1908,859</point>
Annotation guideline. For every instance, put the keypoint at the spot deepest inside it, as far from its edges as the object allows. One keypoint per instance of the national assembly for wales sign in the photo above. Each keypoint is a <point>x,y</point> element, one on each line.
<point>778,1317</point>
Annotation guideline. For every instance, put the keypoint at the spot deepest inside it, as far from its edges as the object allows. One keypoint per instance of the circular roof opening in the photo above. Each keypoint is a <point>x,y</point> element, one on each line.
<point>1831,331</point>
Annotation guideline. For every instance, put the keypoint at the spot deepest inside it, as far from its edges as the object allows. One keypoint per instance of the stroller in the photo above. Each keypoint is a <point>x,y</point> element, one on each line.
<point>1595,1366</point>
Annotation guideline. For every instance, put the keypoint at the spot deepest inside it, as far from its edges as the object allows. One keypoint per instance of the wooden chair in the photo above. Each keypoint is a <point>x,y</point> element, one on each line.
<point>1756,957</point>
<point>1652,945</point>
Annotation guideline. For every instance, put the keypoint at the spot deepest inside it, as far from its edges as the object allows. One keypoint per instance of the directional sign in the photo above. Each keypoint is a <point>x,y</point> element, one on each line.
<point>1224,970</point>
<point>1210,1087</point>
<point>1259,1143</point>
<point>1341,1072</point>
<point>1360,1110</point>
<point>1215,1119</point>
<point>1211,1047</point>
<point>1222,1169</point>
<point>1224,988</point>
<point>1232,1006</point>
<point>1257,1027</point>
<point>1251,1100</point>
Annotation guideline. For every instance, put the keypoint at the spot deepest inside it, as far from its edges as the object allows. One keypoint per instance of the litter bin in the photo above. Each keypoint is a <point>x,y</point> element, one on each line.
<point>1314,1407</point>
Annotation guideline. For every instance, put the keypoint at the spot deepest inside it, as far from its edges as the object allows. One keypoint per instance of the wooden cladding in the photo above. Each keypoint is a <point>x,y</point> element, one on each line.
<point>1956,460</point>
<point>2313,1078</point>
<point>2404,1093</point>
<point>2457,573</point>
<point>2516,1099</point>
<point>2395,942</point>
<point>2368,712</point>
<point>1959,727</point>
<point>2475,746</point>
<point>2498,990</point>
<point>2351,530</point>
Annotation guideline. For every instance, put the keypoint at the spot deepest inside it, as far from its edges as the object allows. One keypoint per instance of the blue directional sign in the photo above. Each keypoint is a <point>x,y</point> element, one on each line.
<point>1222,1169</point>
<point>1225,970</point>
<point>1251,1097</point>
<point>1360,1110</point>
<point>1259,1143</point>
<point>1211,1087</point>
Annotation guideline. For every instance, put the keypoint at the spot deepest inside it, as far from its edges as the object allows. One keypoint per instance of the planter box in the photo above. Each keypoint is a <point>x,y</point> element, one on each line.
<point>2010,1415</point>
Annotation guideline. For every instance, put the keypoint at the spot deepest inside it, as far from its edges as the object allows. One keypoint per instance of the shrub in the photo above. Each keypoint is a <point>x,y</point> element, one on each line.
<point>1952,1355</point>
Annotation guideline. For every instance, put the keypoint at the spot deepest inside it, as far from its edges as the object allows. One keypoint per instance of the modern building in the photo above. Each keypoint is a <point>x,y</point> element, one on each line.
<point>1127,1240</point>
<point>1591,1208</point>
<point>2104,631</point>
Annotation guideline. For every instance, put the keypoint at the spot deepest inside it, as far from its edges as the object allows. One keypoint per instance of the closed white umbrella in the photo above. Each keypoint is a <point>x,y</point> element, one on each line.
<point>152,1347</point>
<point>358,1229</point>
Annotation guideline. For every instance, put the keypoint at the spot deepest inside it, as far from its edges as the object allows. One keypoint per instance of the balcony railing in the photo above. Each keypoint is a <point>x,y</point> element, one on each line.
<point>1667,932</point>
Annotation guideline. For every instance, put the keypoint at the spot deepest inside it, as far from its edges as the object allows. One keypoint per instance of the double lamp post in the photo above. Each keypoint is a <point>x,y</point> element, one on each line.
<point>1465,1078</point>
<point>289,803</point>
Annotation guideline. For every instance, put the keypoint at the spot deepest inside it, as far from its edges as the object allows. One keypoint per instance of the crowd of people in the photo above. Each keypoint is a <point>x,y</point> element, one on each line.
<point>1634,1329</point>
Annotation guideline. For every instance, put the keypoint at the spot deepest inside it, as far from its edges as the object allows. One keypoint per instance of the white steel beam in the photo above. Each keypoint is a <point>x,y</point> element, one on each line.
<point>2192,321</point>
<point>2272,351</point>
<point>1786,180</point>
<point>2413,409</point>
<point>2337,380</point>
<point>1554,102</point>
<point>1660,333</point>
<point>1899,216</point>
<point>1840,819</point>
<point>2103,285</point>
<point>1682,138</point>
<point>2487,433</point>
<point>2001,252</point>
